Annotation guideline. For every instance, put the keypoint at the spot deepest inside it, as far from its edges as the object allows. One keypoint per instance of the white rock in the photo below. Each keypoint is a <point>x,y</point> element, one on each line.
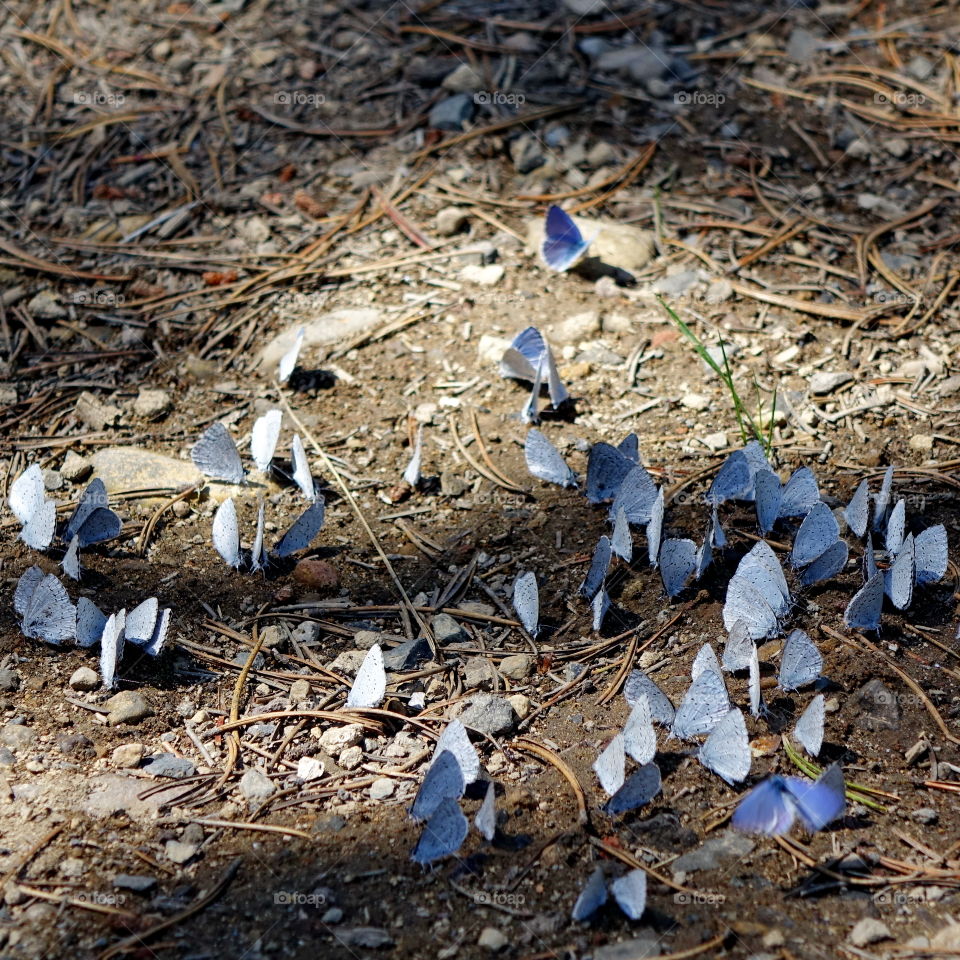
<point>463,80</point>
<point>492,939</point>
<point>491,349</point>
<point>381,788</point>
<point>581,326</point>
<point>309,768</point>
<point>84,679</point>
<point>867,931</point>
<point>339,738</point>
<point>486,276</point>
<point>695,401</point>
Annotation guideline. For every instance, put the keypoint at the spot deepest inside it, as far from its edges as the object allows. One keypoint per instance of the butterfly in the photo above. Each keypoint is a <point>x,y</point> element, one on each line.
<point>563,243</point>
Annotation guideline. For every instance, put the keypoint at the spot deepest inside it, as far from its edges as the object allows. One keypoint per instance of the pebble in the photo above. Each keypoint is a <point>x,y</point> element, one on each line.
<point>129,468</point>
<point>138,883</point>
<point>478,673</point>
<point>318,330</point>
<point>255,787</point>
<point>451,220</point>
<point>516,667</point>
<point>715,441</point>
<point>309,768</point>
<point>407,655</point>
<point>307,633</point>
<point>351,758</point>
<point>320,575</point>
<point>452,113</point>
<point>465,79</point>
<point>75,744</point>
<point>84,678</point>
<point>922,442</point>
<point>491,349</point>
<point>452,484</point>
<point>128,755</point>
<point>520,704</point>
<point>643,944</point>
<point>178,852</point>
<point>695,401</point>
<point>75,467</point>
<point>492,939</point>
<point>128,706</point>
<point>17,737</point>
<point>339,738</point>
<point>527,153</point>
<point>490,715</point>
<point>447,630</point>
<point>52,480</point>
<point>581,326</point>
<point>925,815</point>
<point>714,852</point>
<point>96,414</point>
<point>299,691</point>
<point>369,938</point>
<point>868,930</point>
<point>348,663</point>
<point>169,765</point>
<point>152,404</point>
<point>876,706</point>
<point>9,681</point>
<point>381,788</point>
<point>802,45</point>
<point>486,276</point>
<point>824,381</point>
<point>676,285</point>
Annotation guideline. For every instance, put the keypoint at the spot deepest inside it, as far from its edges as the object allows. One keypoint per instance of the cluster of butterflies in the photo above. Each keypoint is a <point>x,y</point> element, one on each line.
<point>758,591</point>
<point>47,614</point>
<point>91,522</point>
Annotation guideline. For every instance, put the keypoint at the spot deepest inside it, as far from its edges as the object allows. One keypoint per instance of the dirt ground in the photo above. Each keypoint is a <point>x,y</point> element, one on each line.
<point>183,182</point>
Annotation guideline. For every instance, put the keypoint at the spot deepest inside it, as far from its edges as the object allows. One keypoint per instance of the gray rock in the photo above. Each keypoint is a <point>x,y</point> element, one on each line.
<point>127,706</point>
<point>677,284</point>
<point>129,468</point>
<point>9,681</point>
<point>464,79</point>
<point>319,329</point>
<point>339,738</point>
<point>17,737</point>
<point>179,852</point>
<point>516,667</point>
<point>451,220</point>
<point>135,882</point>
<point>168,765</point>
<point>365,639</point>
<point>876,706</point>
<point>484,275</point>
<point>489,715</point>
<point>152,404</point>
<point>407,655</point>
<point>869,930</point>
<point>452,483</point>
<point>332,916</point>
<point>240,658</point>
<point>802,45</point>
<point>447,630</point>
<point>83,678</point>
<point>640,62</point>
<point>369,938</point>
<point>75,467</point>
<point>526,153</point>
<point>52,480</point>
<point>96,414</point>
<point>452,113</point>
<point>920,67</point>
<point>581,326</point>
<point>714,852</point>
<point>478,673</point>
<point>381,788</point>
<point>492,939</point>
<point>46,305</point>
<point>643,944</point>
<point>7,759</point>
<point>75,744</point>
<point>114,793</point>
<point>306,633</point>
<point>824,381</point>
<point>255,787</point>
<point>925,815</point>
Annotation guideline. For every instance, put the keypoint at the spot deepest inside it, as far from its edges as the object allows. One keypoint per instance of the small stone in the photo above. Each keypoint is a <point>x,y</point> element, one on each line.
<point>491,349</point>
<point>451,220</point>
<point>75,467</point>
<point>333,915</point>
<point>876,706</point>
<point>94,413</point>
<point>130,468</point>
<point>926,815</point>
<point>714,852</point>
<point>526,152</point>
<point>695,401</point>
<point>773,938</point>
<point>520,704</point>
<point>128,706</point>
<point>351,758</point>
<point>365,639</point>
<point>452,113</point>
<point>581,326</point>
<point>84,678</point>
<point>169,765</point>
<point>339,738</point>
<point>135,882</point>
<point>407,655</point>
<point>490,715</point>
<point>516,667</point>
<point>306,633</point>
<point>478,674</point>
<point>309,768</point>
<point>447,630</point>
<point>676,285</point>
<point>179,852</point>
<point>465,79</point>
<point>152,404</point>
<point>452,484</point>
<point>922,442</point>
<point>369,938</point>
<point>897,147</point>
<point>128,755</point>
<point>643,944</point>
<point>320,575</point>
<point>921,67</point>
<point>299,691</point>
<point>75,744</point>
<point>492,939</point>
<point>869,930</point>
<point>46,305</point>
<point>802,45</point>
<point>17,737</point>
<point>824,381</point>
<point>9,681</point>
<point>348,663</point>
<point>488,275</point>
<point>601,154</point>
<point>381,788</point>
<point>255,787</point>
<point>715,441</point>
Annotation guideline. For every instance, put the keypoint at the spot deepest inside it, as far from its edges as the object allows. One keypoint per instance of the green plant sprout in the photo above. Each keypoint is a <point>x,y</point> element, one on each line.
<point>751,427</point>
<point>855,792</point>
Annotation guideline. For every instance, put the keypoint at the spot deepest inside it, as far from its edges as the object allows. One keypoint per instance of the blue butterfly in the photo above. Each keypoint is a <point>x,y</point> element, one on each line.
<point>773,805</point>
<point>563,243</point>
